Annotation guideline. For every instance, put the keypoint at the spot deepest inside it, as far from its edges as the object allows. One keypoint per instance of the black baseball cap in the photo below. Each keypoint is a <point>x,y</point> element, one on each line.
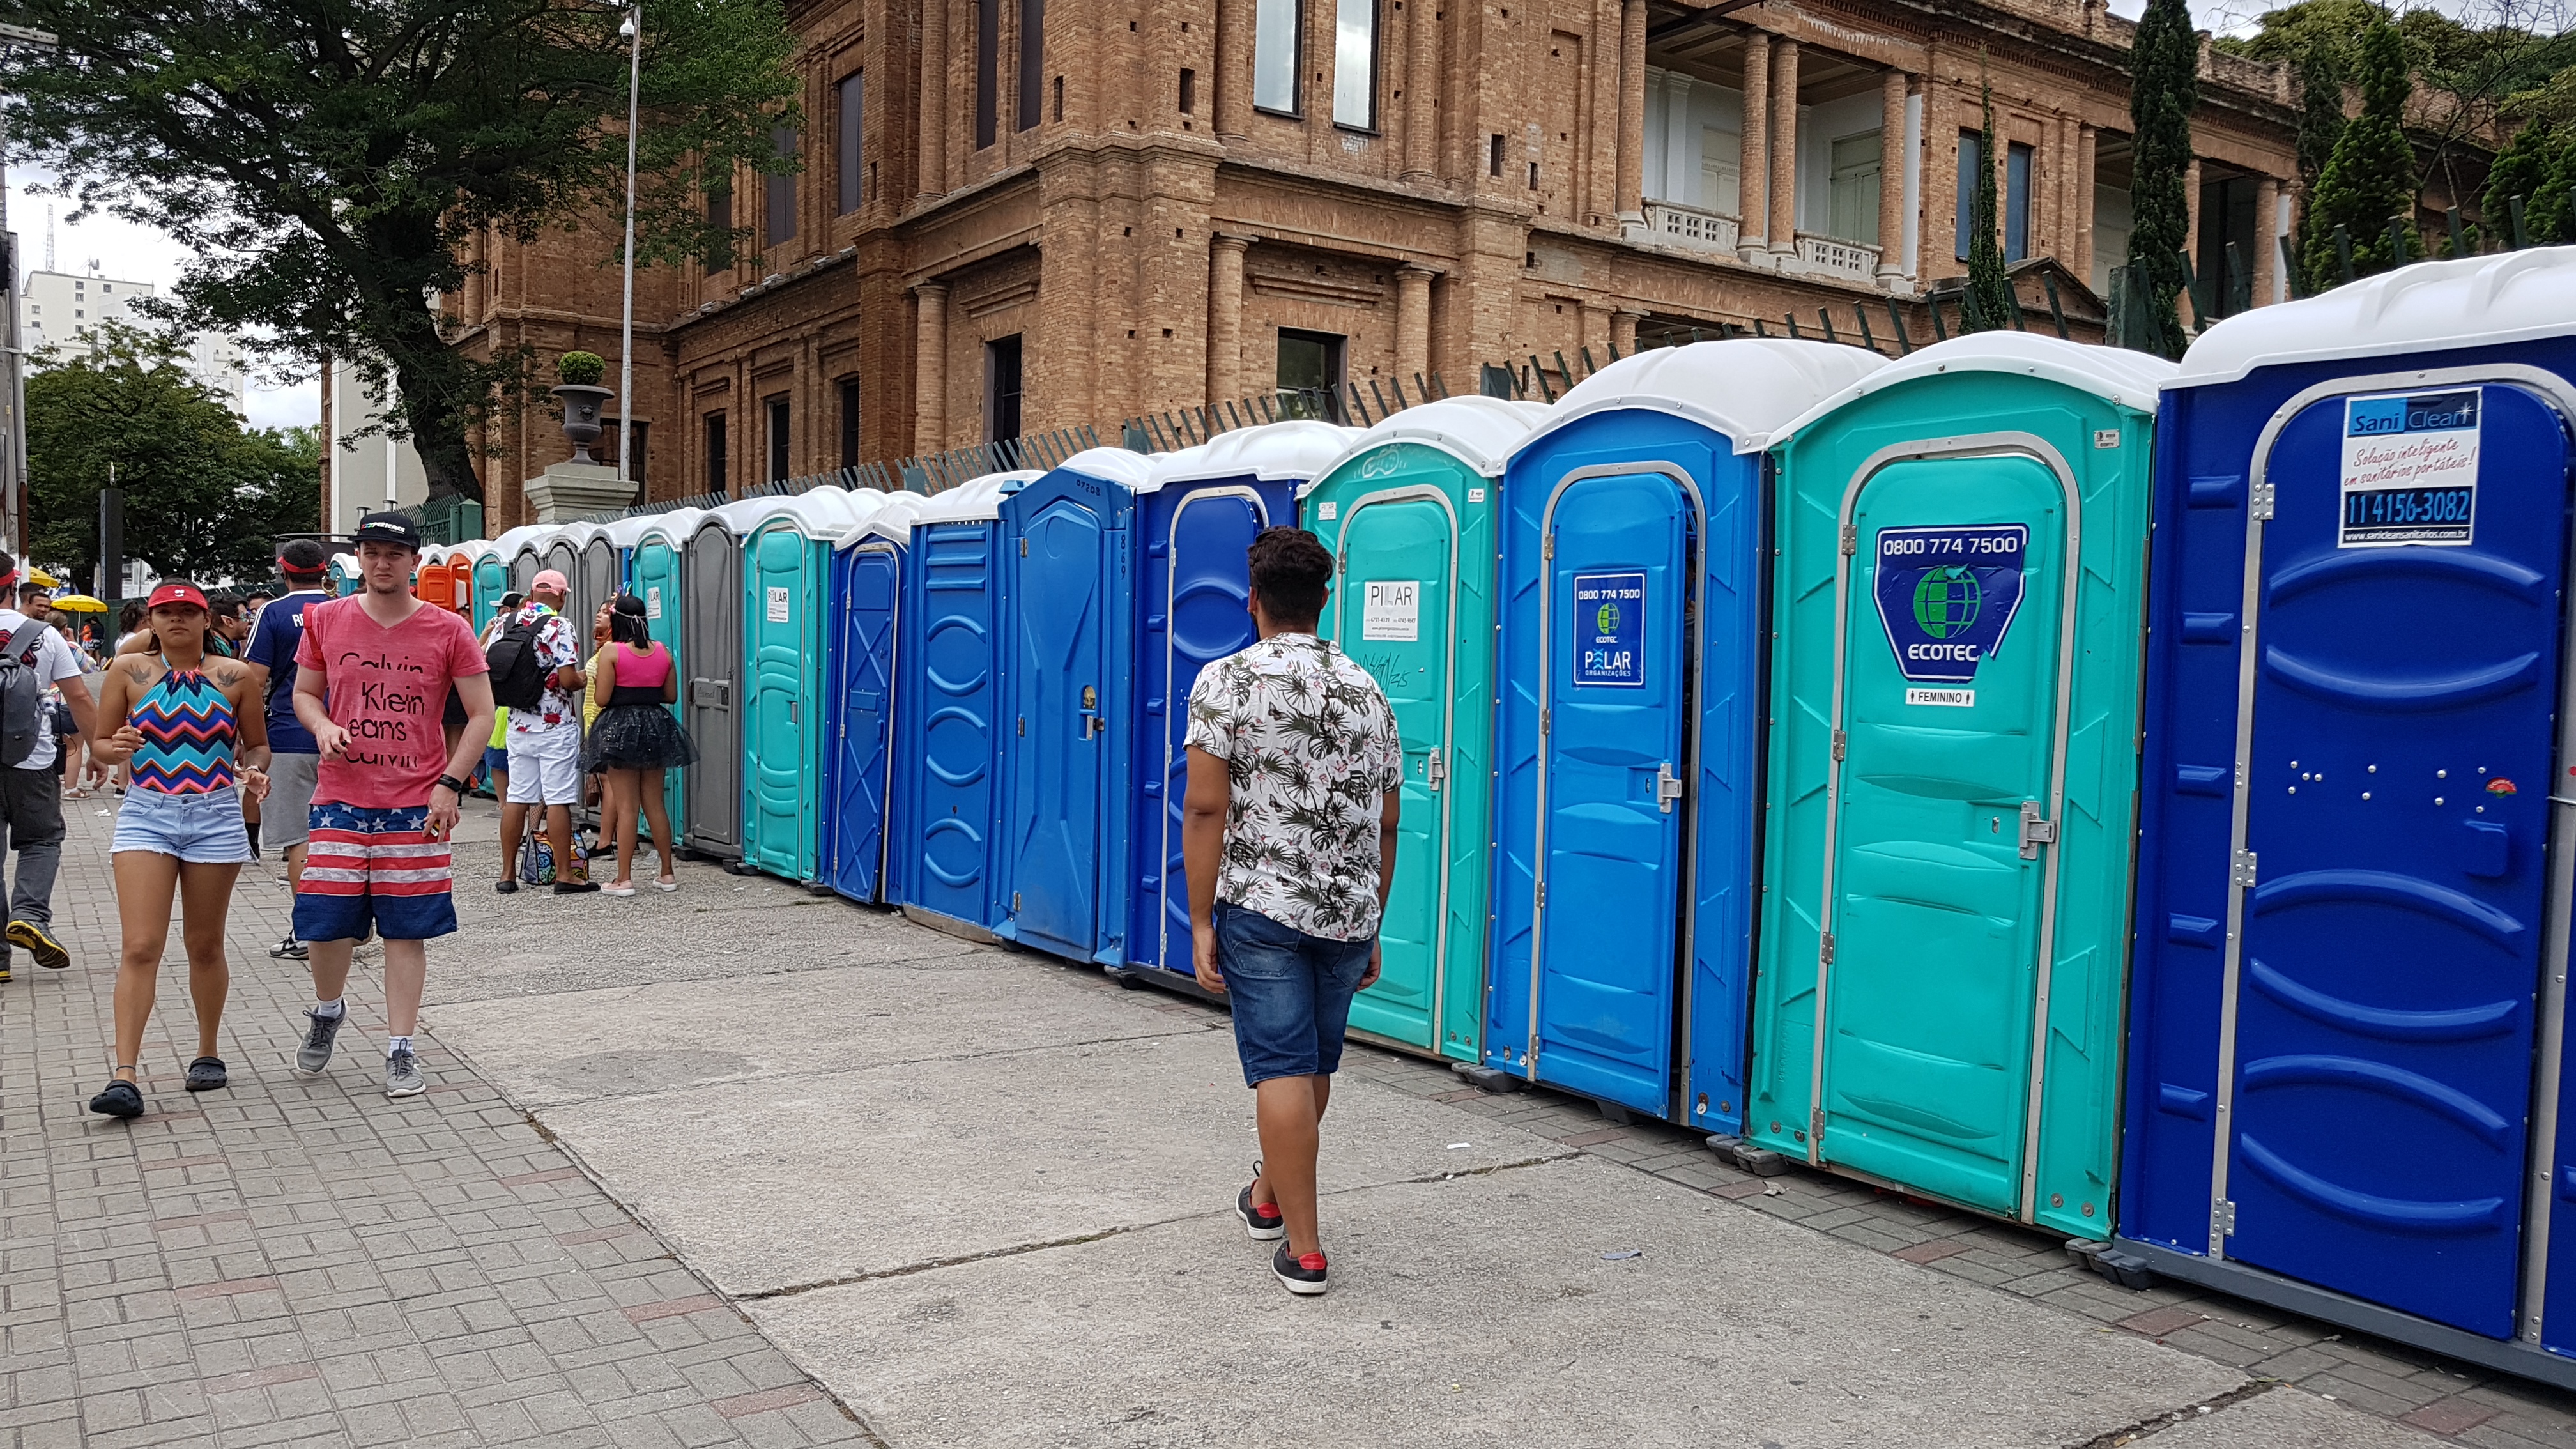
<point>387,528</point>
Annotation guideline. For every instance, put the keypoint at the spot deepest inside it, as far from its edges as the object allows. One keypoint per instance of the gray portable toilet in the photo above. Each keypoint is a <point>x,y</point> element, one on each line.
<point>561,551</point>
<point>518,550</point>
<point>600,576</point>
<point>711,649</point>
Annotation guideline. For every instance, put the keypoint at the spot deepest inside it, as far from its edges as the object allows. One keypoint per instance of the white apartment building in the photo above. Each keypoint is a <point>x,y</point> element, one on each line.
<point>64,310</point>
<point>362,475</point>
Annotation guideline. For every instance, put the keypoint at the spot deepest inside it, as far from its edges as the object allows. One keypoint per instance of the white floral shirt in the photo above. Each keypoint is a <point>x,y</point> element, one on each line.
<point>555,649</point>
<point>1310,744</point>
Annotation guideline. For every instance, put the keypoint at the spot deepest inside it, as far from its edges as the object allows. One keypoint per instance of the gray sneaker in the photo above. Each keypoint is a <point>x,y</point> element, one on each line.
<point>402,1075</point>
<point>311,1058</point>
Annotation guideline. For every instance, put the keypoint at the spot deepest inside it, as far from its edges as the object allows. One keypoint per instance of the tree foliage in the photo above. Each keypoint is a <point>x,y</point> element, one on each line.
<point>2321,117</point>
<point>205,497</point>
<point>1989,304</point>
<point>2164,89</point>
<point>326,161</point>
<point>2371,176</point>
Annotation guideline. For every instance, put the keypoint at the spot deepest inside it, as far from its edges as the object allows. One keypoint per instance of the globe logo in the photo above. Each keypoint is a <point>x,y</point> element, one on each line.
<point>1946,600</point>
<point>1607,620</point>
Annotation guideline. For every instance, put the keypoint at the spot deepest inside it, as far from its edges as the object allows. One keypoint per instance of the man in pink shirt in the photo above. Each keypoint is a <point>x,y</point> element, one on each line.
<point>372,679</point>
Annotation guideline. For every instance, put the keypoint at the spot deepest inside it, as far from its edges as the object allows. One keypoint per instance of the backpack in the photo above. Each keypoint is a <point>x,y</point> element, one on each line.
<point>22,694</point>
<point>518,675</point>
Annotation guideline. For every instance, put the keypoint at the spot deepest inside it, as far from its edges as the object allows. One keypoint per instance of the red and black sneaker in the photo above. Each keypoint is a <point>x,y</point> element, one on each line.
<point>1301,1274</point>
<point>1261,1220</point>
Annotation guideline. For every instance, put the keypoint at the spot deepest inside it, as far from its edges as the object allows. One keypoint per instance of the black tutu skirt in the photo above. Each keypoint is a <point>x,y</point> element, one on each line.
<point>636,737</point>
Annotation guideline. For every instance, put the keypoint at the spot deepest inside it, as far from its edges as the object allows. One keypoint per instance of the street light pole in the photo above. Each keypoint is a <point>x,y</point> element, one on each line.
<point>634,32</point>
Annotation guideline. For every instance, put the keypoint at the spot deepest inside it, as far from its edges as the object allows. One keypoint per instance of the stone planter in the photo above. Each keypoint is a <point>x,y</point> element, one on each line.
<point>581,405</point>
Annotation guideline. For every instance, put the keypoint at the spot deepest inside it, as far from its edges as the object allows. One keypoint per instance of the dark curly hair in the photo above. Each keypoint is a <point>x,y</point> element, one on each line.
<point>1291,569</point>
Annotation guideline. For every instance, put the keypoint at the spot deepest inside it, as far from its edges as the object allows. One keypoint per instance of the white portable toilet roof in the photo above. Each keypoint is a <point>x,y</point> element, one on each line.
<point>672,528</point>
<point>348,563</point>
<point>738,516</point>
<point>471,549</point>
<point>977,500</point>
<point>624,531</point>
<point>1118,465</point>
<point>2468,302</point>
<point>509,543</point>
<point>1481,432</point>
<point>2128,378</point>
<point>1746,388</point>
<point>822,513</point>
<point>892,519</point>
<point>1298,450</point>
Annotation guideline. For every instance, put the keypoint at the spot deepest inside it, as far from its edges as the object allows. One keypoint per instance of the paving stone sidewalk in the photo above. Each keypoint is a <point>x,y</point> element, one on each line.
<point>309,1263</point>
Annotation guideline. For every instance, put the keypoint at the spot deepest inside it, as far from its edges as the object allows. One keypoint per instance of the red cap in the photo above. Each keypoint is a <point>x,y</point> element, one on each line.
<point>175,594</point>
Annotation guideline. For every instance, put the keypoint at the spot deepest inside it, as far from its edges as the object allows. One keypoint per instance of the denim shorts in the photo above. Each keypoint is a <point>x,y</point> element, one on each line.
<point>199,829</point>
<point>1291,993</point>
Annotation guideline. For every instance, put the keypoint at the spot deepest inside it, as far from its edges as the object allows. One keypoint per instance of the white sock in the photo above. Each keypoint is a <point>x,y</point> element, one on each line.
<point>395,1044</point>
<point>326,1008</point>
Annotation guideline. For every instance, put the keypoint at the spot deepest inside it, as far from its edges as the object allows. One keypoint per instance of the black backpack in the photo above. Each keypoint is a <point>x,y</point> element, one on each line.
<point>22,693</point>
<point>518,675</point>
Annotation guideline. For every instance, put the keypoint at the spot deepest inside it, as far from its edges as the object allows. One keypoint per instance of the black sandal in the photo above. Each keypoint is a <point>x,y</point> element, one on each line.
<point>206,1074</point>
<point>120,1099</point>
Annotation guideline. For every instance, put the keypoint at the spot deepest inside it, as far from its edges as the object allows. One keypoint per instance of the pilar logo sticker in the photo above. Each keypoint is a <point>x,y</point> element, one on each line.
<point>1946,595</point>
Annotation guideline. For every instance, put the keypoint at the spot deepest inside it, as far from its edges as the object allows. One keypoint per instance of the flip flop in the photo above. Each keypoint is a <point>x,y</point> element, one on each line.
<point>206,1074</point>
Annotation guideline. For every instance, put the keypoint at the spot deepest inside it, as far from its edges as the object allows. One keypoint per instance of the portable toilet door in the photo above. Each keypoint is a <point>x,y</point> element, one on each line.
<point>343,573</point>
<point>491,581</point>
<point>2348,1004</point>
<point>711,628</point>
<point>786,580</point>
<point>622,535</point>
<point>1068,569</point>
<point>945,835</point>
<point>659,549</point>
<point>861,664</point>
<point>1960,582</point>
<point>517,549</point>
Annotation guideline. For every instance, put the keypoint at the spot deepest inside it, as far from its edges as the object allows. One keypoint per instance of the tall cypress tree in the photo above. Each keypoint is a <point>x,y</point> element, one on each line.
<point>2320,113</point>
<point>2371,176</point>
<point>2164,89</point>
<point>1989,304</point>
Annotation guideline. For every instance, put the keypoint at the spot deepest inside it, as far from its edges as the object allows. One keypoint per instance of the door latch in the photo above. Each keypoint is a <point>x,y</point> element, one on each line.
<point>1435,770</point>
<point>1668,787</point>
<point>2035,831</point>
<point>1092,723</point>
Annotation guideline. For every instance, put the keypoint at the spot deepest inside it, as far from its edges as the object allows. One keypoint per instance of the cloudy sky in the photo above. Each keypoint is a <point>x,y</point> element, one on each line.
<point>131,253</point>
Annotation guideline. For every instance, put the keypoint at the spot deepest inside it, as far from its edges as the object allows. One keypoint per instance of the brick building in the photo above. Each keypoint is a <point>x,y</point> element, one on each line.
<point>1021,215</point>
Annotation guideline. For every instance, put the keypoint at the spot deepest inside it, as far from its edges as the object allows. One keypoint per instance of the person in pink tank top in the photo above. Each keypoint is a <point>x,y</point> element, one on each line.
<point>635,739</point>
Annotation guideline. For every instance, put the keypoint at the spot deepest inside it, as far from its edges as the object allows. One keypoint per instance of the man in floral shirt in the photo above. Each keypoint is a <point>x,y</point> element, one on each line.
<point>1289,840</point>
<point>545,742</point>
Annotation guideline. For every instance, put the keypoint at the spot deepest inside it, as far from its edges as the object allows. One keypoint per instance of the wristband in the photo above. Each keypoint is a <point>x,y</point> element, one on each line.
<point>454,784</point>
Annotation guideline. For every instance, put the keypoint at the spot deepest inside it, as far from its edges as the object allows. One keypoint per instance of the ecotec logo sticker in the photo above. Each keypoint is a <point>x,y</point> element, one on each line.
<point>2410,470</point>
<point>1946,595</point>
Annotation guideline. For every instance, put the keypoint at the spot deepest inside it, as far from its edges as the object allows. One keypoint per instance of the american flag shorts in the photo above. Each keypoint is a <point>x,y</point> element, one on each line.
<point>366,866</point>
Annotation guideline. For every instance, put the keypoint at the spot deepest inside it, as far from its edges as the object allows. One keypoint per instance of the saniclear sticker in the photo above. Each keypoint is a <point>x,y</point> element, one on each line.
<point>1391,609</point>
<point>1610,629</point>
<point>2410,469</point>
<point>1945,596</point>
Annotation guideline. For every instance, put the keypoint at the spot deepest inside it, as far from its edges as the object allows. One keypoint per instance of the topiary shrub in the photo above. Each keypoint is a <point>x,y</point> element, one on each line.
<point>581,369</point>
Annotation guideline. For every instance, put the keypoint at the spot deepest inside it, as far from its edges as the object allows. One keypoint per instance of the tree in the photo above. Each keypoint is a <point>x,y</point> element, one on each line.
<point>2164,89</point>
<point>2371,176</point>
<point>205,498</point>
<point>2320,113</point>
<point>1989,304</point>
<point>326,161</point>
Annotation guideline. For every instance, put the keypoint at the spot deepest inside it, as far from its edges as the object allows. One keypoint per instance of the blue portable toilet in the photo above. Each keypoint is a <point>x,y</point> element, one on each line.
<point>1196,514</point>
<point>786,594</point>
<point>2347,999</point>
<point>859,670</point>
<point>656,577</point>
<point>1630,720</point>
<point>1069,662</point>
<point>944,849</point>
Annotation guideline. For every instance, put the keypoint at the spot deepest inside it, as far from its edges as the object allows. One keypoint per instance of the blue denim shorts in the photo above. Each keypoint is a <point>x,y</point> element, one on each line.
<point>200,829</point>
<point>1291,993</point>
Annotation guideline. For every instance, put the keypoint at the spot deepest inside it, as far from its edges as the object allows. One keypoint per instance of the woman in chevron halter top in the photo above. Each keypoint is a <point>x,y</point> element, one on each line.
<point>193,734</point>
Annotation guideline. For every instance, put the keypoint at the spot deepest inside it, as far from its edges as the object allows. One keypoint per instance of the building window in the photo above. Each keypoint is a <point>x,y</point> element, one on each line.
<point>778,190</point>
<point>1494,156</point>
<point>988,71</point>
<point>2016,202</point>
<point>719,219</point>
<point>1355,64</point>
<point>849,422</point>
<point>1002,389</point>
<point>1032,60</point>
<point>716,453</point>
<point>1852,197</point>
<point>1275,26</point>
<point>776,410</point>
<point>1310,374</point>
<point>1189,91</point>
<point>1971,156</point>
<point>853,165</point>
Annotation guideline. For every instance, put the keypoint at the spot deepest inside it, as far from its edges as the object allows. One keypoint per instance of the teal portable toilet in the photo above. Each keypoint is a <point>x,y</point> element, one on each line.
<point>711,630</point>
<point>1959,613</point>
<point>1628,733</point>
<point>1408,513</point>
<point>491,571</point>
<point>786,592</point>
<point>344,575</point>
<point>660,549</point>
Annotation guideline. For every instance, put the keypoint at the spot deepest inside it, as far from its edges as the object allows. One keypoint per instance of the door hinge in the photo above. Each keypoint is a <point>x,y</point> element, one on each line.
<point>2242,873</point>
<point>2261,497</point>
<point>1542,721</point>
<point>1547,546</point>
<point>1024,548</point>
<point>1542,893</point>
<point>1015,903</point>
<point>1851,538</point>
<point>1668,787</point>
<point>1825,949</point>
<point>2222,1218</point>
<point>1815,1126</point>
<point>1840,739</point>
<point>2035,831</point>
<point>1024,726</point>
<point>1436,770</point>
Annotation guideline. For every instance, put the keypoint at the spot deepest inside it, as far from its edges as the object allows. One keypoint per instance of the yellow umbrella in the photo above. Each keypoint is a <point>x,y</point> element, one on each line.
<point>80,604</point>
<point>42,579</point>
